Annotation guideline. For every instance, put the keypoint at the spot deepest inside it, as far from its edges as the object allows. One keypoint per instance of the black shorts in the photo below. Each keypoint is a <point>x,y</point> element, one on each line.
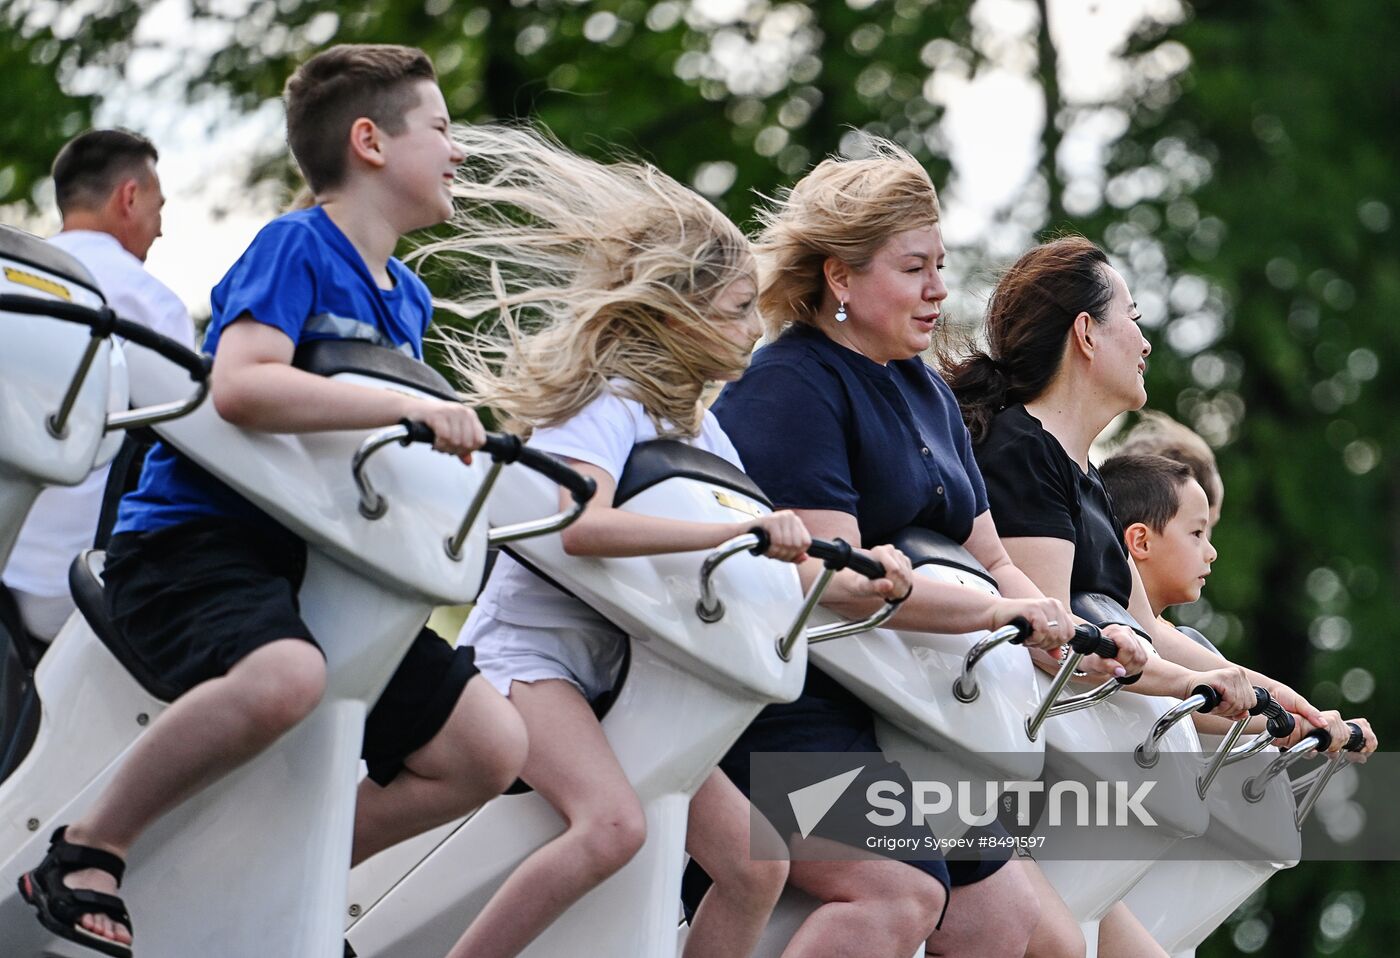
<point>193,600</point>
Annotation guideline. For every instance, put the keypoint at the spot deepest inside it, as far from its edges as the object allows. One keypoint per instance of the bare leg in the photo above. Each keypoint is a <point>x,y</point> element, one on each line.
<point>869,907</point>
<point>1121,935</point>
<point>993,918</point>
<point>1057,935</point>
<point>733,913</point>
<point>474,757</point>
<point>207,733</point>
<point>572,766</point>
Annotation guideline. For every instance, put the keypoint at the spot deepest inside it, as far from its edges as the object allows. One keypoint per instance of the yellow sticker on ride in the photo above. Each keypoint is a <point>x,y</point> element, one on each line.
<point>20,278</point>
<point>730,501</point>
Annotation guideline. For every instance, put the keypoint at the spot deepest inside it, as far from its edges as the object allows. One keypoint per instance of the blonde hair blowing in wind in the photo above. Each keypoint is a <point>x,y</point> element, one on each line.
<point>577,273</point>
<point>844,208</point>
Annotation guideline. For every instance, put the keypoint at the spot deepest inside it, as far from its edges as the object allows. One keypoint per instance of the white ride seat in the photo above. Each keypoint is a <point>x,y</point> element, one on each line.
<point>257,863</point>
<point>691,688</point>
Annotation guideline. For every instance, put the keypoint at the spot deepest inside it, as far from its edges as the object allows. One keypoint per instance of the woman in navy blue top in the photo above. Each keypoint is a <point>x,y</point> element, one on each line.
<point>839,419</point>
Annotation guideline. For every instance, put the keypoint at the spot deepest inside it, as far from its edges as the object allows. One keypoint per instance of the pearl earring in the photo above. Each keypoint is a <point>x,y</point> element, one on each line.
<point>841,313</point>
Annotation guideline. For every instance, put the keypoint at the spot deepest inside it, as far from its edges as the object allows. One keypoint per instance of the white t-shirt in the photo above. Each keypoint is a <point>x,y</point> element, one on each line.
<point>602,434</point>
<point>64,518</point>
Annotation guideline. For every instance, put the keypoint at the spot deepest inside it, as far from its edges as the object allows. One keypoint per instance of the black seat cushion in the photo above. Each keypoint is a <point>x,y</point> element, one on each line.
<point>657,460</point>
<point>926,547</point>
<point>1101,610</point>
<point>22,247</point>
<point>327,357</point>
<point>85,581</point>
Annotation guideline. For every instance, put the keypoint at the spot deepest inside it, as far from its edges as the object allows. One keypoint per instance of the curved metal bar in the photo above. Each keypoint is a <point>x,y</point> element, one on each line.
<point>788,639</point>
<point>150,415</point>
<point>1307,780</point>
<point>1254,747</point>
<point>1147,753</point>
<point>1255,785</point>
<point>839,630</point>
<point>1224,756</point>
<point>965,687</point>
<point>453,544</point>
<point>709,607</point>
<point>536,527</point>
<point>372,504</point>
<point>1324,775</point>
<point>57,422</point>
<point>1049,707</point>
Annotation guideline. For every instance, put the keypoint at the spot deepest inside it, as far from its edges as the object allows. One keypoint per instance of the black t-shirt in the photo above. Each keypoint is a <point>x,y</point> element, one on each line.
<point>1036,489</point>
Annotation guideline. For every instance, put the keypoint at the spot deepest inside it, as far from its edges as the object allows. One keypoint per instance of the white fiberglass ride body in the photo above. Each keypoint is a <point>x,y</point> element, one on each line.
<point>936,732</point>
<point>256,864</point>
<point>64,397</point>
<point>1257,814</point>
<point>1093,745</point>
<point>37,366</point>
<point>689,690</point>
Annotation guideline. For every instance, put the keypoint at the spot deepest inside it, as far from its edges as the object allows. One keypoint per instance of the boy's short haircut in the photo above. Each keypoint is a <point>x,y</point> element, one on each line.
<point>336,87</point>
<point>1144,489</point>
<point>1160,435</point>
<point>88,167</point>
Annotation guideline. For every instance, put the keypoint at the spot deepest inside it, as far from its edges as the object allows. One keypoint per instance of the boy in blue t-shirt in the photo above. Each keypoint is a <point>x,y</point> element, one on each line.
<point>202,583</point>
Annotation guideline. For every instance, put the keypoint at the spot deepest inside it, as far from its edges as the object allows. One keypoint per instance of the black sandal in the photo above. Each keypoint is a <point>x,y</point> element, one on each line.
<point>60,908</point>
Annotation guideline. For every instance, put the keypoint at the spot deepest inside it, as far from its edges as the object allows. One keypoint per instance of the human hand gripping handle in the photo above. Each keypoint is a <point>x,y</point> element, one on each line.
<point>1231,685</point>
<point>506,448</point>
<point>1050,623</point>
<point>454,426</point>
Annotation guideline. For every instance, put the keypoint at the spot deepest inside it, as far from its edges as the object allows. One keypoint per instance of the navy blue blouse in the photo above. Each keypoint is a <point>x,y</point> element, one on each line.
<point>819,426</point>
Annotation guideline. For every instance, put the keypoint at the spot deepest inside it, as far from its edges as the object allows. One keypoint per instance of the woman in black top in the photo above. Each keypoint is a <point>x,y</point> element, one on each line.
<point>839,419</point>
<point>1064,357</point>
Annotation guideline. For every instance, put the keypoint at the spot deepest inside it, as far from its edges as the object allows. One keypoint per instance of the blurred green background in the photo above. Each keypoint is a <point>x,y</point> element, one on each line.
<point>1236,158</point>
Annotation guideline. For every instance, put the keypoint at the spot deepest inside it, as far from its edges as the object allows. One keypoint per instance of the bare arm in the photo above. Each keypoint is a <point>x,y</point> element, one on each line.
<point>254,386</point>
<point>933,606</point>
<point>604,530</point>
<point>1048,561</point>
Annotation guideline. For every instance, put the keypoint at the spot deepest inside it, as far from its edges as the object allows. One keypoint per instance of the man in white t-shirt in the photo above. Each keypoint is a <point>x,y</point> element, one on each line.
<point>110,198</point>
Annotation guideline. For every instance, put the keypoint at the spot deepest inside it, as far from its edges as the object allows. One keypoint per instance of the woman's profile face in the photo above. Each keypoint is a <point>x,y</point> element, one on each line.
<point>1120,361</point>
<point>736,314</point>
<point>894,302</point>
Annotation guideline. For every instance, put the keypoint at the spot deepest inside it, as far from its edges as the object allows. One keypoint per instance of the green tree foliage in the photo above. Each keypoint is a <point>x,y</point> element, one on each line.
<point>1252,198</point>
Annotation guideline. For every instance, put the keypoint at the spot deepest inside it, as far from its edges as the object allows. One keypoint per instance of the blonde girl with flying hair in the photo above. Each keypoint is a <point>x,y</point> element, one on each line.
<point>604,298</point>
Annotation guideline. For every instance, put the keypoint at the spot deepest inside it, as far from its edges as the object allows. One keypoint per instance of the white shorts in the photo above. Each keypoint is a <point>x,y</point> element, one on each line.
<point>589,658</point>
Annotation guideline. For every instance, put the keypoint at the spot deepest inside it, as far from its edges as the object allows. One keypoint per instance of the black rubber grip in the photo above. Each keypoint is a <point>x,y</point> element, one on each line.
<point>1356,741</point>
<point>1023,629</point>
<point>417,432</point>
<point>196,364</point>
<point>1323,737</point>
<point>104,322</point>
<point>503,447</point>
<point>1280,722</point>
<point>1088,640</point>
<point>1211,696</point>
<point>761,547</point>
<point>838,554</point>
<point>581,487</point>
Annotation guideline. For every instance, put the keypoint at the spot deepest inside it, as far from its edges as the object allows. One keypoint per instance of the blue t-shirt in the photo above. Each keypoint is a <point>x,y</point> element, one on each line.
<point>820,426</point>
<point>300,275</point>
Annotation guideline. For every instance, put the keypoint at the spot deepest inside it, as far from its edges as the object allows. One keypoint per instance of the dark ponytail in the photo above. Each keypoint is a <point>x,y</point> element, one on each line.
<point>1029,317</point>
